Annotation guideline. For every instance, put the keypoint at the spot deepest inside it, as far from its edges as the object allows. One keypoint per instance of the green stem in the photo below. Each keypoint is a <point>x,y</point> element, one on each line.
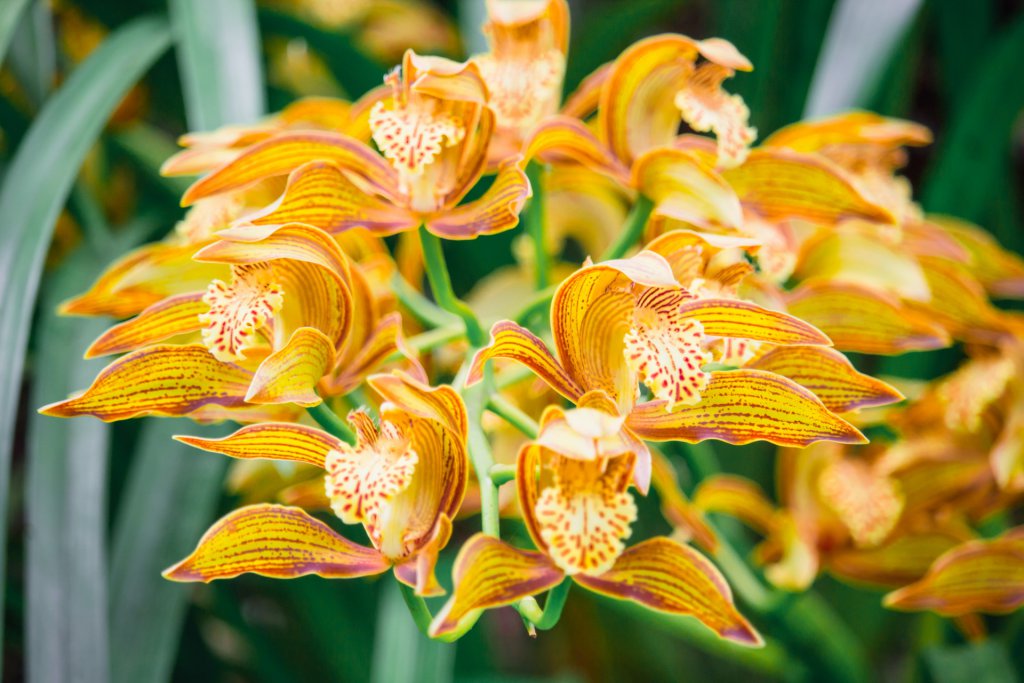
<point>480,455</point>
<point>331,422</point>
<point>539,304</point>
<point>546,618</point>
<point>422,308</point>
<point>535,224</point>
<point>632,230</point>
<point>441,286</point>
<point>512,414</point>
<point>428,340</point>
<point>417,608</point>
<point>501,473</point>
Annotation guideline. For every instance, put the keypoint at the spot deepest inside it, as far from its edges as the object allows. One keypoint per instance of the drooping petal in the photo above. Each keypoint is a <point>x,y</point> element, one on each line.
<point>272,441</point>
<point>497,211</point>
<point>383,340</point>
<point>868,503</point>
<point>418,571</point>
<point>488,573</point>
<point>829,375</point>
<point>900,561</point>
<point>744,320</point>
<point>780,184</point>
<point>441,404</point>
<point>678,511</point>
<point>859,319</point>
<point>158,380</point>
<point>319,193</point>
<point>511,341</point>
<point>685,188</point>
<point>168,318</point>
<point>278,541</point>
<point>290,374</point>
<point>559,139</point>
<point>669,577</point>
<point>978,576</point>
<point>706,107</point>
<point>849,128</point>
<point>283,153</point>
<point>737,497</point>
<point>1000,270</point>
<point>959,303</point>
<point>743,406</point>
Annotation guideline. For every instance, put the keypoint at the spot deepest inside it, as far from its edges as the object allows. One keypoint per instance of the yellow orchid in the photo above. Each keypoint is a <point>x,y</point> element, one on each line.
<point>403,482</point>
<point>525,67</point>
<point>433,133</point>
<point>619,323</point>
<point>572,485</point>
<point>269,333</point>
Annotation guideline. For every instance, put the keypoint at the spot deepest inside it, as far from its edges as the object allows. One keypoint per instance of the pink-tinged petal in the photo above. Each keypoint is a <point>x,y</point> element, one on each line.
<point>290,374</point>
<point>168,318</point>
<point>418,571</point>
<point>283,153</point>
<point>977,576</point>
<point>829,375</point>
<point>383,340</point>
<point>686,188</point>
<point>670,577</point>
<point>319,193</point>
<point>497,211</point>
<point>488,573</point>
<point>272,441</point>
<point>441,404</point>
<point>902,560</point>
<point>561,139</point>
<point>511,341</point>
<point>849,128</point>
<point>158,380</point>
<point>277,541</point>
<point>744,320</point>
<point>742,406</point>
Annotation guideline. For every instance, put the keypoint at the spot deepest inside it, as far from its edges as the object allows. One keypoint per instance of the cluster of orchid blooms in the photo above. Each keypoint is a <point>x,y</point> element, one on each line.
<point>725,283</point>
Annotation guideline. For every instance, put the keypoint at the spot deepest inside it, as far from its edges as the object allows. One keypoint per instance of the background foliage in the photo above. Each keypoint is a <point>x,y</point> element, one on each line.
<point>92,96</point>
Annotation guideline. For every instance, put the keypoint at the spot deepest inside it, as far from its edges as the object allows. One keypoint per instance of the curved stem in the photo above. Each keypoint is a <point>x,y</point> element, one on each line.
<point>441,286</point>
<point>632,230</point>
<point>417,608</point>
<point>535,224</point>
<point>501,473</point>
<point>331,422</point>
<point>546,618</point>
<point>423,309</point>
<point>512,414</point>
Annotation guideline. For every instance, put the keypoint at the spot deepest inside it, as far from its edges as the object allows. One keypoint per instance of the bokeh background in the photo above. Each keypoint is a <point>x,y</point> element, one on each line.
<point>94,512</point>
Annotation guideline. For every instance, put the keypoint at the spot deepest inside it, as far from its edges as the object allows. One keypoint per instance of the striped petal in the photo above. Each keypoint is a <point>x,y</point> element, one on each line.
<point>276,541</point>
<point>742,406</point>
<point>158,380</point>
<point>745,320</point>
<point>670,577</point>
<point>418,571</point>
<point>849,128</point>
<point>497,211</point>
<point>1000,270</point>
<point>290,374</point>
<point>737,497</point>
<point>284,153</point>
<point>829,375</point>
<point>271,441</point>
<point>383,340</point>
<point>677,510</point>
<point>489,573</point>
<point>319,193</point>
<point>511,341</point>
<point>859,319</point>
<point>978,576</point>
<point>779,185</point>
<point>441,404</point>
<point>900,561</point>
<point>168,318</point>
<point>684,187</point>
<point>559,139</point>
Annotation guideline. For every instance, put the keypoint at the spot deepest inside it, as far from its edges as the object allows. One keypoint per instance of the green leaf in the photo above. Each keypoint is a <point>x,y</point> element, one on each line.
<point>37,182</point>
<point>862,36</point>
<point>66,506</point>
<point>10,12</point>
<point>170,497</point>
<point>33,53</point>
<point>401,653</point>
<point>219,58</point>
<point>968,178</point>
<point>984,661</point>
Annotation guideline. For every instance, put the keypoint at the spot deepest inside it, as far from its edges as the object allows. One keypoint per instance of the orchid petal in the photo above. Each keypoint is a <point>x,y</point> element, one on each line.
<point>670,577</point>
<point>168,318</point>
<point>744,320</point>
<point>685,188</point>
<point>737,497</point>
<point>868,503</point>
<point>271,441</point>
<point>497,211</point>
<point>900,561</point>
<point>278,541</point>
<point>511,341</point>
<point>418,571</point>
<point>290,374</point>
<point>560,138</point>
<point>742,406</point>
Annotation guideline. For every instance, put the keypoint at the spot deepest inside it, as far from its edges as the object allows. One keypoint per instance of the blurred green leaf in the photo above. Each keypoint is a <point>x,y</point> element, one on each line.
<point>401,654</point>
<point>10,12</point>
<point>861,37</point>
<point>33,52</point>
<point>219,57</point>
<point>986,661</point>
<point>65,500</point>
<point>38,181</point>
<point>968,176</point>
<point>170,497</point>
<point>964,29</point>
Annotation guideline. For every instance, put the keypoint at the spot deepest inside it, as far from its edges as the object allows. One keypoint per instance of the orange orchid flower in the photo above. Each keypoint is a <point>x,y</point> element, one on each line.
<point>573,492</point>
<point>433,132</point>
<point>403,481</point>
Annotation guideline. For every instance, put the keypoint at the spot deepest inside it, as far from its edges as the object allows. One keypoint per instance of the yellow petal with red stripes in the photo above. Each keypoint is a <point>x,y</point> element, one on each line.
<point>278,541</point>
<point>742,406</point>
<point>670,577</point>
<point>290,374</point>
<point>897,562</point>
<point>513,342</point>
<point>497,211</point>
<point>560,138</point>
<point>829,375</point>
<point>737,497</point>
<point>158,380</point>
<point>745,320</point>
<point>271,441</point>
<point>168,318</point>
<point>684,187</point>
<point>489,573</point>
